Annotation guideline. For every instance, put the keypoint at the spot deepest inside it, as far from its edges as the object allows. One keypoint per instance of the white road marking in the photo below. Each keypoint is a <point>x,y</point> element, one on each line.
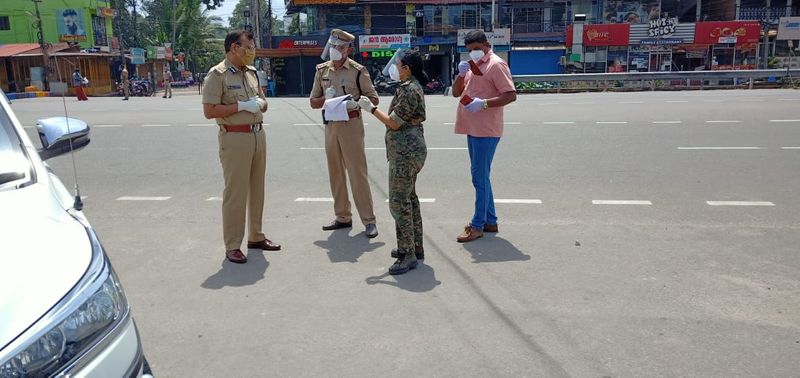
<point>740,203</point>
<point>421,200</point>
<point>559,122</point>
<point>449,124</point>
<point>612,122</point>
<point>724,121</point>
<point>512,123</point>
<point>135,198</point>
<point>667,122</point>
<point>156,125</point>
<point>618,202</point>
<point>784,120</point>
<point>106,126</point>
<point>313,199</point>
<point>677,102</point>
<point>312,148</point>
<point>214,199</point>
<point>790,148</point>
<point>719,148</point>
<point>518,201</point>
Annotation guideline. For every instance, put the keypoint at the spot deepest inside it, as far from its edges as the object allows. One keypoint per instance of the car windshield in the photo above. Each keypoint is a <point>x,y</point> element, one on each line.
<point>14,165</point>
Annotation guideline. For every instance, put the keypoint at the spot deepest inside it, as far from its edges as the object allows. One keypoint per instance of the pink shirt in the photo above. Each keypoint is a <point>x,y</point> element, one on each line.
<point>496,79</point>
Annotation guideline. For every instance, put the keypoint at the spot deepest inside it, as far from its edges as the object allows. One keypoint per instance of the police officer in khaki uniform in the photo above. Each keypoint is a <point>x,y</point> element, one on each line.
<point>231,94</point>
<point>344,140</point>
<point>126,83</point>
<point>167,82</point>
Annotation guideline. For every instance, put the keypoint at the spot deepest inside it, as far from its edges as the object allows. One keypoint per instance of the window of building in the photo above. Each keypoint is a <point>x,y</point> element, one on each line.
<point>469,16</point>
<point>5,23</point>
<point>528,20</point>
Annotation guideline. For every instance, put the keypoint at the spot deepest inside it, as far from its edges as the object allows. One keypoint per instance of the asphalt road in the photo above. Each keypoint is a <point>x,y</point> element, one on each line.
<point>641,234</point>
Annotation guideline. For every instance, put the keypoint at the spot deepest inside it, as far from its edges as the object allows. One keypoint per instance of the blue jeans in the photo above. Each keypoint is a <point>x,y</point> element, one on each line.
<point>481,154</point>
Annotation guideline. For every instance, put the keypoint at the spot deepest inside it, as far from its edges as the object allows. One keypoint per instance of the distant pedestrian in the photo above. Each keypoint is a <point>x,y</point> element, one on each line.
<point>126,83</point>
<point>406,152</point>
<point>78,81</point>
<point>233,97</point>
<point>167,82</point>
<point>486,85</point>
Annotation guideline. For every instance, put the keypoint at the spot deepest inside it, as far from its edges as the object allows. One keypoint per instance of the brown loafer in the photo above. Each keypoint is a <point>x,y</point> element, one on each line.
<point>492,228</point>
<point>265,244</point>
<point>470,233</point>
<point>236,256</point>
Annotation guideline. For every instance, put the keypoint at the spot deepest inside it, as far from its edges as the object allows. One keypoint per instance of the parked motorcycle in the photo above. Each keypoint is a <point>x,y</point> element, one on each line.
<point>138,88</point>
<point>384,86</point>
<point>434,86</point>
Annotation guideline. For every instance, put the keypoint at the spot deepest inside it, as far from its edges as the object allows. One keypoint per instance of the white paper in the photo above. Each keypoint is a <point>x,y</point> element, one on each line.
<point>336,109</point>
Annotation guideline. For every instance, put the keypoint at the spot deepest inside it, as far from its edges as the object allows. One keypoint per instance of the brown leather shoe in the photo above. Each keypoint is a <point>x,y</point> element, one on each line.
<point>470,233</point>
<point>265,244</point>
<point>236,256</point>
<point>492,228</point>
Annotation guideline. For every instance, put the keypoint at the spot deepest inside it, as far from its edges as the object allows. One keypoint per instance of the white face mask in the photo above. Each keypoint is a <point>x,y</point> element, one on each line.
<point>394,73</point>
<point>476,55</point>
<point>335,54</point>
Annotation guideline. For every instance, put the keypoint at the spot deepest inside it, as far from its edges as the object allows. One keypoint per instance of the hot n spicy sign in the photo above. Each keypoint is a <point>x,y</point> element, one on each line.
<point>738,32</point>
<point>603,35</point>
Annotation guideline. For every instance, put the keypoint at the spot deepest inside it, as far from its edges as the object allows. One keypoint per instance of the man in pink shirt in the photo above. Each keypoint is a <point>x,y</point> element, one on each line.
<point>487,87</point>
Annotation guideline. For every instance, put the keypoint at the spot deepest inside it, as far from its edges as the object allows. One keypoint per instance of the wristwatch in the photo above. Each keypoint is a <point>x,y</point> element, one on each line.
<point>374,108</point>
<point>486,105</point>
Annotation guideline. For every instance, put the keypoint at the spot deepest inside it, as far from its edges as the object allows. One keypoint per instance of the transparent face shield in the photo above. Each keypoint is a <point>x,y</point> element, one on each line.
<point>334,42</point>
<point>396,58</point>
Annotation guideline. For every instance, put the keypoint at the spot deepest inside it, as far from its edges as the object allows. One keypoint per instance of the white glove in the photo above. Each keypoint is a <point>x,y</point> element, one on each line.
<point>250,105</point>
<point>463,67</point>
<point>366,104</point>
<point>330,93</point>
<point>262,103</point>
<point>352,105</point>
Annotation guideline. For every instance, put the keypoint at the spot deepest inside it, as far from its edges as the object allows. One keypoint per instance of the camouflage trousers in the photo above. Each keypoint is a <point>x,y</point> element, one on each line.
<point>404,204</point>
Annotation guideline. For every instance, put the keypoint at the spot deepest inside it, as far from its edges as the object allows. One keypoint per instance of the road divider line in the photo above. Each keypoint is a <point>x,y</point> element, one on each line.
<point>719,148</point>
<point>214,199</point>
<point>612,122</point>
<point>313,199</point>
<point>790,148</point>
<point>137,198</point>
<point>449,124</point>
<point>740,203</point>
<point>784,120</point>
<point>312,148</point>
<point>518,201</point>
<point>621,202</point>
<point>512,123</point>
<point>724,121</point>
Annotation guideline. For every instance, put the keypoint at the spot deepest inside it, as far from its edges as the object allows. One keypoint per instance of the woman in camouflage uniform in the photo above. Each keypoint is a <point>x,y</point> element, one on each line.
<point>406,152</point>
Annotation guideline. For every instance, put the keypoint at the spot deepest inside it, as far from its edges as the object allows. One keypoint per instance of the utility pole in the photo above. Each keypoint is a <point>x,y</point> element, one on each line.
<point>174,32</point>
<point>45,56</point>
<point>257,21</point>
<point>269,23</point>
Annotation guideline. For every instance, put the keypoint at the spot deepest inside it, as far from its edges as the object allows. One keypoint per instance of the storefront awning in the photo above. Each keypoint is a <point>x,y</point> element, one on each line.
<point>17,48</point>
<point>288,53</point>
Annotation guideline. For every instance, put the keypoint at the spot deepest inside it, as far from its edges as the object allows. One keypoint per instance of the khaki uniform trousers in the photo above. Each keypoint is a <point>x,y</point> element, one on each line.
<point>244,167</point>
<point>344,147</point>
<point>168,88</point>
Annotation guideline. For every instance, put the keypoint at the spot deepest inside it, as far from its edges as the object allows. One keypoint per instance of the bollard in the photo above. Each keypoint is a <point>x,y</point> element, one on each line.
<point>751,83</point>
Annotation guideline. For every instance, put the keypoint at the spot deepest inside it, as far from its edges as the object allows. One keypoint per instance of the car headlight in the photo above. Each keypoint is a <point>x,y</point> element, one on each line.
<point>74,335</point>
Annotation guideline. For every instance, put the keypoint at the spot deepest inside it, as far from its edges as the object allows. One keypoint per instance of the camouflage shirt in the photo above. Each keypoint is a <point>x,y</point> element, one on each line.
<point>407,144</point>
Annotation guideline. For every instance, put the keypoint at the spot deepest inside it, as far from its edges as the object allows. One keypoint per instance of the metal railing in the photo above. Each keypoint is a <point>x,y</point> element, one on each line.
<point>657,80</point>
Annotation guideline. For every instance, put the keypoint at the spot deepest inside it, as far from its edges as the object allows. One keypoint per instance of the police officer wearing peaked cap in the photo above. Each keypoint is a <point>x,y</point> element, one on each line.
<point>344,140</point>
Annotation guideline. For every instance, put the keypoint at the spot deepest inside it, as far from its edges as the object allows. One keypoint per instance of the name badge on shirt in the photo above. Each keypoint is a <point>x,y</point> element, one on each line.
<point>234,86</point>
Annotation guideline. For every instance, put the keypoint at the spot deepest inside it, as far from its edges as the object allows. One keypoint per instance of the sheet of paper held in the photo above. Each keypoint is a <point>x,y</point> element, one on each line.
<point>336,109</point>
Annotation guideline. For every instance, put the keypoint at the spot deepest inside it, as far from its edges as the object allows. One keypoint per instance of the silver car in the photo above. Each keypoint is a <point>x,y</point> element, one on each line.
<point>63,311</point>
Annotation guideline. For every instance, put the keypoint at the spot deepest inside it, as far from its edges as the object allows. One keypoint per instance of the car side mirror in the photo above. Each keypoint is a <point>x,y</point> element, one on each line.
<point>61,135</point>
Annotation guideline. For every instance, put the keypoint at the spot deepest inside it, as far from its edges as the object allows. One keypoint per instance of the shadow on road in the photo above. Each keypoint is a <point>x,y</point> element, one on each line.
<point>237,275</point>
<point>419,280</point>
<point>344,248</point>
<point>493,248</point>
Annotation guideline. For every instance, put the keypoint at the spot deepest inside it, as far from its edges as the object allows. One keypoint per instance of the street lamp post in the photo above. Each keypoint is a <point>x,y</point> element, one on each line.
<point>43,45</point>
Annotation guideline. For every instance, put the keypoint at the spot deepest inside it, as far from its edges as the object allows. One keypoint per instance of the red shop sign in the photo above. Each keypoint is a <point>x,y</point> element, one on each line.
<point>738,32</point>
<point>603,35</point>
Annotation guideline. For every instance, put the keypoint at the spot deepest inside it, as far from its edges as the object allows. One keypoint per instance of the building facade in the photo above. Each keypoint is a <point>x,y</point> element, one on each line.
<point>535,36</point>
<point>85,23</point>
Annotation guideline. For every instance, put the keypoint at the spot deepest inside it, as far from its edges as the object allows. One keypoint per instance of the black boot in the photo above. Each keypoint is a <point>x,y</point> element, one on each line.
<point>419,253</point>
<point>403,264</point>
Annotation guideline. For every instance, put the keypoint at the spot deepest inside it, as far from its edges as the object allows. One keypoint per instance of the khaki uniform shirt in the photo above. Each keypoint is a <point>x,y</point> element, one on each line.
<point>344,81</point>
<point>124,75</point>
<point>225,84</point>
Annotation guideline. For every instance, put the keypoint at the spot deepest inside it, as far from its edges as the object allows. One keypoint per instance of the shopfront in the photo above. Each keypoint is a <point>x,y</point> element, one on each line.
<point>733,45</point>
<point>293,64</point>
<point>605,47</point>
<point>664,44</point>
